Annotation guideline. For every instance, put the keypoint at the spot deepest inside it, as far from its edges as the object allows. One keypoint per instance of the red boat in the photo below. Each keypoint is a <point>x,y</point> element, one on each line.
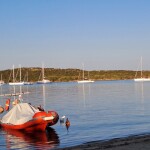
<point>24,116</point>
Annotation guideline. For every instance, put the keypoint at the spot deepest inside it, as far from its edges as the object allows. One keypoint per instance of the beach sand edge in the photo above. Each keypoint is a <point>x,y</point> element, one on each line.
<point>136,142</point>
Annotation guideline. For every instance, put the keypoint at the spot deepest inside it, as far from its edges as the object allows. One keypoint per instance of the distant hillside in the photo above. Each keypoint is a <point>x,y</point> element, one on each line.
<point>60,75</point>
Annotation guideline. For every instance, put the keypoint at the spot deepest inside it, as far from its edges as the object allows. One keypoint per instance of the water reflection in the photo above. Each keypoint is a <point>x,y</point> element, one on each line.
<point>84,92</point>
<point>22,140</point>
<point>139,89</point>
<point>43,89</point>
<point>142,93</point>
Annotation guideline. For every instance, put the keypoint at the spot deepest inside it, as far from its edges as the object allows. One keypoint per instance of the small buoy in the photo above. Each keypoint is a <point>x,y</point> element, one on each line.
<point>67,122</point>
<point>62,119</point>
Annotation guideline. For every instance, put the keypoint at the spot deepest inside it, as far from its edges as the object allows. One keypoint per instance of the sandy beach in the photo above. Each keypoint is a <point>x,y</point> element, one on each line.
<point>140,142</point>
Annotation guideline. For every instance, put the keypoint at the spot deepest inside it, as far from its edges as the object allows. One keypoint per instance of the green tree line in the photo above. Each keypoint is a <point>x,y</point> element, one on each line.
<point>65,75</point>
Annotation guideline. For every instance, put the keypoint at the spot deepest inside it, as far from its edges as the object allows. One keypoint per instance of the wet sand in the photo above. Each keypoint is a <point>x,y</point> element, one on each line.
<point>140,142</point>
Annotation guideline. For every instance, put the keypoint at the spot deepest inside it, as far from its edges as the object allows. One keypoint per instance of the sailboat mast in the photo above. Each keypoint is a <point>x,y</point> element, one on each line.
<point>13,74</point>
<point>141,68</point>
<point>83,72</point>
<point>42,71</point>
<point>27,76</point>
<point>20,72</point>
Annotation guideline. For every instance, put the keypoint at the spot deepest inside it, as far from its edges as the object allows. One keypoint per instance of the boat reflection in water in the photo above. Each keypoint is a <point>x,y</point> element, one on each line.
<point>16,139</point>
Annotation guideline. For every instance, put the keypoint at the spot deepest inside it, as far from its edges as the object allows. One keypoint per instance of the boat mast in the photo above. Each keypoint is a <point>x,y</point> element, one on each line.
<point>13,74</point>
<point>83,72</point>
<point>20,72</point>
<point>27,76</point>
<point>43,71</point>
<point>141,68</point>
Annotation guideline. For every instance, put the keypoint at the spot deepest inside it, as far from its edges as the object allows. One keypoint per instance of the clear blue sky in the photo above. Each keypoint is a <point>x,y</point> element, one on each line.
<point>102,34</point>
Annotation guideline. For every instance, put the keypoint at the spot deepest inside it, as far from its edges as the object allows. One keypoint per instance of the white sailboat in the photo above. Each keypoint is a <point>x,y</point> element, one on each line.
<point>27,82</point>
<point>14,81</point>
<point>43,81</point>
<point>84,80</point>
<point>141,78</point>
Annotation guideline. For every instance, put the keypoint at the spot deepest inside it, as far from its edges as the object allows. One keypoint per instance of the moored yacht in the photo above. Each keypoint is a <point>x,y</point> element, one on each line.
<point>43,81</point>
<point>14,81</point>
<point>85,80</point>
<point>141,78</point>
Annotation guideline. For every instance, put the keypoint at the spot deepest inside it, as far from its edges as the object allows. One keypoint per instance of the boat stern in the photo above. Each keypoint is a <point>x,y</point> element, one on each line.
<point>55,117</point>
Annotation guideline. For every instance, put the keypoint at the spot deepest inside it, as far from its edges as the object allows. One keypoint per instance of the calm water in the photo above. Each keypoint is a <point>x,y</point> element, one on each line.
<point>97,111</point>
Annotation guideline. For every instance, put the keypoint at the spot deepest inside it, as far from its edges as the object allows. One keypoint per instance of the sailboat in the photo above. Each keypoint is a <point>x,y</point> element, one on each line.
<point>43,81</point>
<point>27,82</point>
<point>14,81</point>
<point>84,80</point>
<point>141,78</point>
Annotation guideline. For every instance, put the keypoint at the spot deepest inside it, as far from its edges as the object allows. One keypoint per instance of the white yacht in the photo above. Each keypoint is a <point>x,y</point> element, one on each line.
<point>141,77</point>
<point>84,80</point>
<point>43,81</point>
<point>14,81</point>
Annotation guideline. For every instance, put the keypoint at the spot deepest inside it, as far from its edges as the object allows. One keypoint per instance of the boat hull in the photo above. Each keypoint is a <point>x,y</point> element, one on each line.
<point>41,82</point>
<point>16,83</point>
<point>44,81</point>
<point>85,81</point>
<point>28,83</point>
<point>142,79</point>
<point>39,122</point>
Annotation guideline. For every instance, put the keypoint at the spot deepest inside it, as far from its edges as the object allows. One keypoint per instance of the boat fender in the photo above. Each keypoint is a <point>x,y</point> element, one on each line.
<point>62,119</point>
<point>1,109</point>
<point>7,104</point>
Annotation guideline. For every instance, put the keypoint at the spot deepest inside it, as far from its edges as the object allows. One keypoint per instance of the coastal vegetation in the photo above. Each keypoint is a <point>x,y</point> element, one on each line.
<point>66,75</point>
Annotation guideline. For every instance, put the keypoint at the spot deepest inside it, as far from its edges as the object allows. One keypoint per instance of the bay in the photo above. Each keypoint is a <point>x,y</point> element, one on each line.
<point>101,110</point>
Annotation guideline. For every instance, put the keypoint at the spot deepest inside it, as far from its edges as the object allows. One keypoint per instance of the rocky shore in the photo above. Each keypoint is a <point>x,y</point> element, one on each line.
<point>139,142</point>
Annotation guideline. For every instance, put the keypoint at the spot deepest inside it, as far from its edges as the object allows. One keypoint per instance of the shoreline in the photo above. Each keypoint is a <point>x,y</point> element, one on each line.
<point>135,142</point>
